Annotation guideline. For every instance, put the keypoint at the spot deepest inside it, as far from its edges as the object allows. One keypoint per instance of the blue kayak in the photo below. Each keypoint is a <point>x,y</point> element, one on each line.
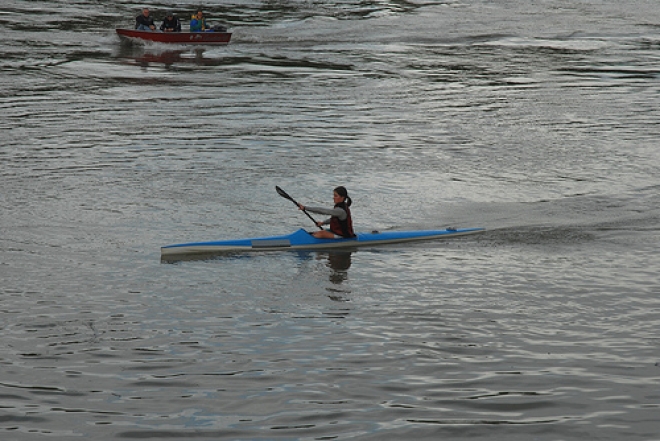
<point>303,240</point>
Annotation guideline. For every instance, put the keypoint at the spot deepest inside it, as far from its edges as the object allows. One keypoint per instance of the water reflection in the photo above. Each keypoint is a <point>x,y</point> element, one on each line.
<point>339,263</point>
<point>146,56</point>
<point>167,58</point>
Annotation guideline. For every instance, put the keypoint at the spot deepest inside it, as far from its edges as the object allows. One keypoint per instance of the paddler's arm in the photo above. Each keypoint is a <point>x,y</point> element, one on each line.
<point>336,212</point>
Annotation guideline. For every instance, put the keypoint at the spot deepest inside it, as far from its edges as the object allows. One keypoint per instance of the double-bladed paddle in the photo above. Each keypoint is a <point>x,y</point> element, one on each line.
<point>286,196</point>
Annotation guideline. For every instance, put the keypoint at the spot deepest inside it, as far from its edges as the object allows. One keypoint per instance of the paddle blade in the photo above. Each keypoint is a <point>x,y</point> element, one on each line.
<point>284,194</point>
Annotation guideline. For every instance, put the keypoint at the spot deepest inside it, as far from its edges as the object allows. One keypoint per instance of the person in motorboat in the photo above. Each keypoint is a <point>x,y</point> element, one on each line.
<point>340,221</point>
<point>144,21</point>
<point>198,22</point>
<point>170,23</point>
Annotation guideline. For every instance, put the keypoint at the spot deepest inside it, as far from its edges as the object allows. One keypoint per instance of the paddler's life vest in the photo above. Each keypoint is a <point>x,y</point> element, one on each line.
<point>342,228</point>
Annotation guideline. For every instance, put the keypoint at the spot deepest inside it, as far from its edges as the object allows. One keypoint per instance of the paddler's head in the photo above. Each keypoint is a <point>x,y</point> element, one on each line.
<point>340,194</point>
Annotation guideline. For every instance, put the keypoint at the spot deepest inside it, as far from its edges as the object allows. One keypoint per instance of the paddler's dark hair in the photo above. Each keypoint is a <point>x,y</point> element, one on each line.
<point>341,191</point>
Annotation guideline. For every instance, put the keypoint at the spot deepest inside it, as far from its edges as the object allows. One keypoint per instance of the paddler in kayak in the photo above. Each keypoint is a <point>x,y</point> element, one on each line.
<point>340,221</point>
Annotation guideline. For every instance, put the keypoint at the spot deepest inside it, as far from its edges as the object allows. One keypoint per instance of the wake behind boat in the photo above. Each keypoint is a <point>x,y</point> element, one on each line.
<point>194,38</point>
<point>302,240</point>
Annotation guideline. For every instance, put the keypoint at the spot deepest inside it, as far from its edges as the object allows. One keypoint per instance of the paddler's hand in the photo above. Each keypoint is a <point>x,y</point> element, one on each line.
<point>301,207</point>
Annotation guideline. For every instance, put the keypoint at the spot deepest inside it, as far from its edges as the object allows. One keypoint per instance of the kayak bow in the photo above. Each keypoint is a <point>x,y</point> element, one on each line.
<point>302,240</point>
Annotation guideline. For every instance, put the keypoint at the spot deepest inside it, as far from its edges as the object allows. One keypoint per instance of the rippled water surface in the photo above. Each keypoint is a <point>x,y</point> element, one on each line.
<point>536,120</point>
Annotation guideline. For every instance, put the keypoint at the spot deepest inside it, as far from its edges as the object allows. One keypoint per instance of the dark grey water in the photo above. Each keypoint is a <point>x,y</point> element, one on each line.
<point>539,122</point>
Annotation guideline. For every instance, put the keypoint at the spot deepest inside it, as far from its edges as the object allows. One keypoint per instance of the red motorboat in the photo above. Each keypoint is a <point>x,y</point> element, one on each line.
<point>198,38</point>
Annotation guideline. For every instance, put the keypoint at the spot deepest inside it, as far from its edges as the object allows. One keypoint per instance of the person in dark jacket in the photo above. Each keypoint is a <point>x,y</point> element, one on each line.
<point>144,22</point>
<point>340,221</point>
<point>171,23</point>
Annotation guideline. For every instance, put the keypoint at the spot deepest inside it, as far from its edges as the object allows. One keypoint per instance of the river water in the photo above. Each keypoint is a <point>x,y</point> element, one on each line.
<point>536,120</point>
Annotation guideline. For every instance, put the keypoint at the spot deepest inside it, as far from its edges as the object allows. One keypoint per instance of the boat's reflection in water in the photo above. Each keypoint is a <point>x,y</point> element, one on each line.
<point>147,55</point>
<point>338,262</point>
<point>168,58</point>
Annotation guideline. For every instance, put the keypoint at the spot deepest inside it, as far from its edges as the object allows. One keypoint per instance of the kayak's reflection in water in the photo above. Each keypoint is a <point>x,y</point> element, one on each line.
<point>338,263</point>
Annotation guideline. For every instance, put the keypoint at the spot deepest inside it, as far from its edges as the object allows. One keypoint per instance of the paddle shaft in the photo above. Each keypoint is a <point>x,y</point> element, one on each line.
<point>286,196</point>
